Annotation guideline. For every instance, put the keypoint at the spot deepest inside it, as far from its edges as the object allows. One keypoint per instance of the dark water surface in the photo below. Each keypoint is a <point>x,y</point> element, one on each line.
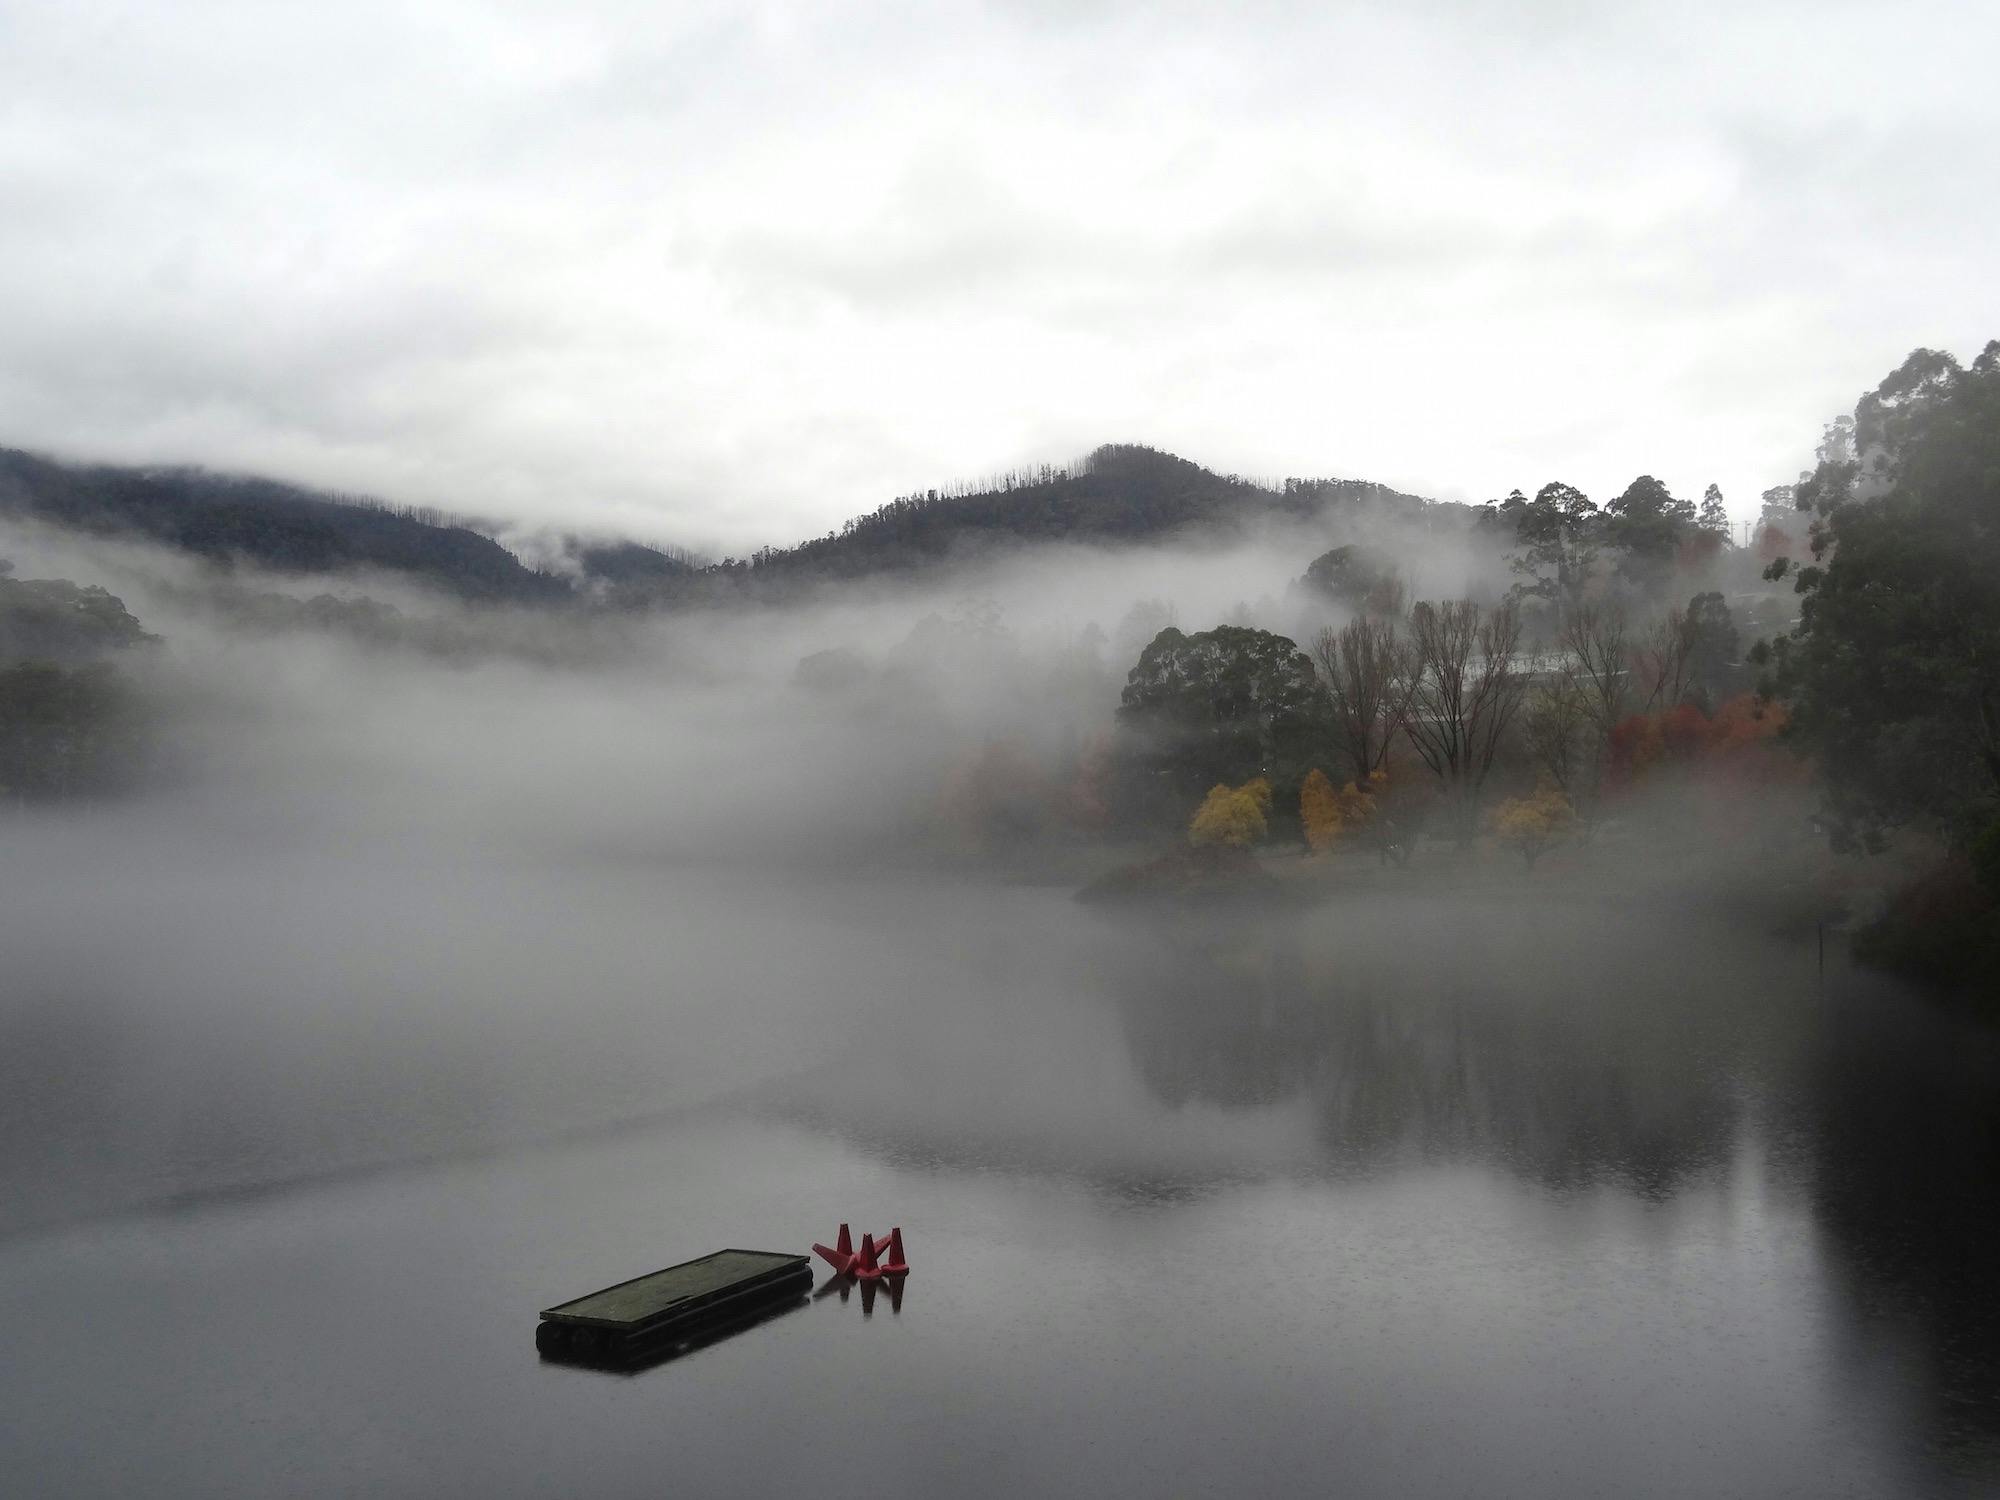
<point>1477,1194</point>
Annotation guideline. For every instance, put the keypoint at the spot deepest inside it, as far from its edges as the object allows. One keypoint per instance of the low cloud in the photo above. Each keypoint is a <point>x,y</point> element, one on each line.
<point>728,277</point>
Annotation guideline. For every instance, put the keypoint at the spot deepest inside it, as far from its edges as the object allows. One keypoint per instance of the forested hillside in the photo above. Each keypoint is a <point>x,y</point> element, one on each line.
<point>1120,493</point>
<point>292,530</point>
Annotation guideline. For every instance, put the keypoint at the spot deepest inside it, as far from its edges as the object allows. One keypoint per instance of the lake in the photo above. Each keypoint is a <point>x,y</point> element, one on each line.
<point>1495,1190</point>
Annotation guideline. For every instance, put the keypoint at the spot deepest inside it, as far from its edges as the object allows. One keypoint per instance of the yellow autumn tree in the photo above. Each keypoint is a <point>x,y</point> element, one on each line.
<point>1319,811</point>
<point>1259,792</point>
<point>1357,805</point>
<point>1531,826</point>
<point>1232,816</point>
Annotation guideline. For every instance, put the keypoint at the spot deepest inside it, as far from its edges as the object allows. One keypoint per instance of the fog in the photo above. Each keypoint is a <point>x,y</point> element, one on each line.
<point>379,898</point>
<point>693,733</point>
<point>548,943</point>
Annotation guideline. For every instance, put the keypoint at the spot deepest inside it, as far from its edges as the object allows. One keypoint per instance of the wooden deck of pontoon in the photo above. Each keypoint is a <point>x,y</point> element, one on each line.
<point>649,1309</point>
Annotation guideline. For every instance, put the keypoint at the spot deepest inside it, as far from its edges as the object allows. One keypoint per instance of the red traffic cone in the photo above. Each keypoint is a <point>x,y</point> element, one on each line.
<point>841,1264</point>
<point>844,1243</point>
<point>866,1268</point>
<point>895,1265</point>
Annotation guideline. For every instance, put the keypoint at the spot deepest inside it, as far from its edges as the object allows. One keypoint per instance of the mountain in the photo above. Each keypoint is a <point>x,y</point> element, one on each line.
<point>283,527</point>
<point>1120,493</point>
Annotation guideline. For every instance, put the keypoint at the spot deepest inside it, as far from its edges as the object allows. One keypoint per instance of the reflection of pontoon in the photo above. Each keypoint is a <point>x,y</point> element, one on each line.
<point>639,1316</point>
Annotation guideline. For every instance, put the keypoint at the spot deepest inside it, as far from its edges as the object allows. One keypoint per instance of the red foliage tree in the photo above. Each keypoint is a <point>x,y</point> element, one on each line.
<point>1685,732</point>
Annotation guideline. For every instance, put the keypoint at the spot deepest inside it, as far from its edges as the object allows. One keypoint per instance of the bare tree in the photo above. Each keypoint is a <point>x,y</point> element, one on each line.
<point>1367,675</point>
<point>1556,724</point>
<point>1597,673</point>
<point>1664,658</point>
<point>1466,690</point>
<point>1599,659</point>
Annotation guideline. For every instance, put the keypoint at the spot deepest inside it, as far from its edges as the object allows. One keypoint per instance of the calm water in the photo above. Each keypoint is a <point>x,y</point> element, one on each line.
<point>1416,1195</point>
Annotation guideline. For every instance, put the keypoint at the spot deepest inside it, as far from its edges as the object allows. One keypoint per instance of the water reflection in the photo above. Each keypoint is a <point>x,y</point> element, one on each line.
<point>1631,1065</point>
<point>1606,1066</point>
<point>845,1286</point>
<point>636,1358</point>
<point>1903,1114</point>
<point>1656,1056</point>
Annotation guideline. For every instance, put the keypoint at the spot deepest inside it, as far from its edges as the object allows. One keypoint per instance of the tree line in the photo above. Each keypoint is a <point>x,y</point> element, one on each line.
<point>72,722</point>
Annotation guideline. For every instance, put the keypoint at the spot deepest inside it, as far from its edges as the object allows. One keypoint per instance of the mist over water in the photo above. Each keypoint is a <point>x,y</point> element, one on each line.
<point>422,988</point>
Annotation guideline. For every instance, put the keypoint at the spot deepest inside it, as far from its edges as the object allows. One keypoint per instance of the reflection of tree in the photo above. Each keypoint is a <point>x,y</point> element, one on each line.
<point>1219,1019</point>
<point>1437,1034</point>
<point>1905,1107</point>
<point>1430,1049</point>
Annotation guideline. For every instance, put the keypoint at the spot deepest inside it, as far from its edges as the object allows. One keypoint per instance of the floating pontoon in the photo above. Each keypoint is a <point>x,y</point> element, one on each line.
<point>648,1312</point>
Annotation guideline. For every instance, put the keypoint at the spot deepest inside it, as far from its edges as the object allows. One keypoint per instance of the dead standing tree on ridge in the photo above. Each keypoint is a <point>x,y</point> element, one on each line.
<point>1466,689</point>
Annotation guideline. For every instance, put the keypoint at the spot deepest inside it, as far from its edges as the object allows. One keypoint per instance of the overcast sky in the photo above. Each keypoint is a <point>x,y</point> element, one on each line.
<point>725,274</point>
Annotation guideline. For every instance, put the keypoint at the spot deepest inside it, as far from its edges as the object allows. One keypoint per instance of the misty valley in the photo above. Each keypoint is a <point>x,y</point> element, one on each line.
<point>1380,994</point>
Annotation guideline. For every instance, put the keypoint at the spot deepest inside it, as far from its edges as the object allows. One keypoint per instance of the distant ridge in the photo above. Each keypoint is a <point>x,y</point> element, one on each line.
<point>1120,493</point>
<point>281,526</point>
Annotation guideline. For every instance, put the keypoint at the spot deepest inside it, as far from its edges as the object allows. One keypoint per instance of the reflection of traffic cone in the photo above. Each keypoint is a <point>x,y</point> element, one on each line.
<point>845,1243</point>
<point>841,1263</point>
<point>894,1265</point>
<point>867,1270</point>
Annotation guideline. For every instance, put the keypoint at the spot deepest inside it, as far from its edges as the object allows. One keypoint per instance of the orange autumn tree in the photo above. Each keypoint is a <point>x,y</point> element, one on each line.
<point>1740,743</point>
<point>1722,779</point>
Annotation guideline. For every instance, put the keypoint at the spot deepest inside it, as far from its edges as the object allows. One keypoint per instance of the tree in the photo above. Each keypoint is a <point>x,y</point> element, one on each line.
<point>1713,648</point>
<point>1358,805</point>
<point>1556,725</point>
<point>1357,577</point>
<point>1531,826</point>
<point>1661,662</point>
<point>1141,623</point>
<point>1232,816</point>
<point>1226,705</point>
<point>1597,653</point>
<point>52,619</point>
<point>1893,673</point>
<point>998,797</point>
<point>1780,529</point>
<point>1840,441</point>
<point>1465,694</point>
<point>1559,533</point>
<point>1714,514</point>
<point>67,730</point>
<point>1569,728</point>
<point>1319,811</point>
<point>1648,524</point>
<point>1367,676</point>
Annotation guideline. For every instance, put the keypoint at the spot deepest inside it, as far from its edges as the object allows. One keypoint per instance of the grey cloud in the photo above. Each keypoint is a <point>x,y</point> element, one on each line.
<point>730,275</point>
